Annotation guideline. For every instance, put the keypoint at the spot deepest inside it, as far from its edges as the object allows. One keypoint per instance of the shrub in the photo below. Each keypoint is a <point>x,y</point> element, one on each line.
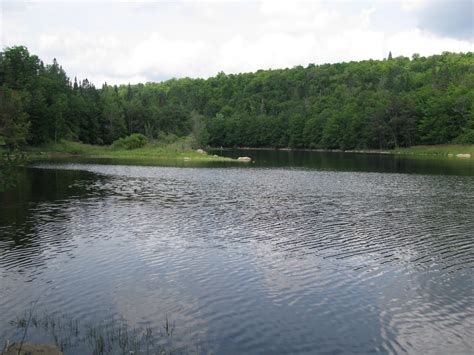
<point>133,141</point>
<point>167,138</point>
<point>465,138</point>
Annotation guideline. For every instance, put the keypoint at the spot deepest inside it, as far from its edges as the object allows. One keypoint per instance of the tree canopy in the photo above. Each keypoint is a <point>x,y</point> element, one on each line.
<point>397,102</point>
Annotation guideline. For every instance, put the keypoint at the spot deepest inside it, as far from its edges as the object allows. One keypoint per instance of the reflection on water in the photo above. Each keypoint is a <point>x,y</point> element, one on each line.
<point>354,161</point>
<point>246,260</point>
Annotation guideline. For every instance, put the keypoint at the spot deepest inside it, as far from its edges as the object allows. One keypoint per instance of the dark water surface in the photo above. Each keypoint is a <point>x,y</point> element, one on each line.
<point>247,259</point>
<point>339,161</point>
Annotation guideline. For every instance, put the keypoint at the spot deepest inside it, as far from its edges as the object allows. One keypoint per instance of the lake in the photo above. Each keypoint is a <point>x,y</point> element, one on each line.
<point>299,252</point>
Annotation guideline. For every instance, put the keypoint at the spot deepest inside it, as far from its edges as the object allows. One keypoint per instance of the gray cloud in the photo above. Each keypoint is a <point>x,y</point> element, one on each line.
<point>454,18</point>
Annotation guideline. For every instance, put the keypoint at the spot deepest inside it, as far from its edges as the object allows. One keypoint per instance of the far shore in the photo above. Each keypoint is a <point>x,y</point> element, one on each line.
<point>369,151</point>
<point>446,151</point>
<point>169,153</point>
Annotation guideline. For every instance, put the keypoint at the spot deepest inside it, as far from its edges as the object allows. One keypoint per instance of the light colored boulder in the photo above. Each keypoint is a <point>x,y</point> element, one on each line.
<point>200,151</point>
<point>450,155</point>
<point>463,155</point>
<point>244,159</point>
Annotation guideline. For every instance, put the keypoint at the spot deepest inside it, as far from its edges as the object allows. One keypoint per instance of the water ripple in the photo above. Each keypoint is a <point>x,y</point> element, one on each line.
<point>249,260</point>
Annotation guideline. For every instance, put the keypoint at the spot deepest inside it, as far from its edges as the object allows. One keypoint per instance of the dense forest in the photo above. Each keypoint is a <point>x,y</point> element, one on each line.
<point>372,104</point>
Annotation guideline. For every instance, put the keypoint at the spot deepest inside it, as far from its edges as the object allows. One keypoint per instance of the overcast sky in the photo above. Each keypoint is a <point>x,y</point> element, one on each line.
<point>121,42</point>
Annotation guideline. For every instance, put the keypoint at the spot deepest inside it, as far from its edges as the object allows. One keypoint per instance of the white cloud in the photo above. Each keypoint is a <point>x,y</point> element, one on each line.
<point>412,5</point>
<point>123,43</point>
<point>424,43</point>
<point>157,53</point>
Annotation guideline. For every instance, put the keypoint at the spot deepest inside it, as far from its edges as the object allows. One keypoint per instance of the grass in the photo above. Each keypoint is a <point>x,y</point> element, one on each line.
<point>179,150</point>
<point>436,150</point>
<point>110,336</point>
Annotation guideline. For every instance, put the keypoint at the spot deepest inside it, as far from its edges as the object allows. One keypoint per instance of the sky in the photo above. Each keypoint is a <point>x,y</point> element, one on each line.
<point>122,42</point>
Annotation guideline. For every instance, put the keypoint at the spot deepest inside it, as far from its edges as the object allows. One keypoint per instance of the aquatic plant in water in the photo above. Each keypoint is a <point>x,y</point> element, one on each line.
<point>70,334</point>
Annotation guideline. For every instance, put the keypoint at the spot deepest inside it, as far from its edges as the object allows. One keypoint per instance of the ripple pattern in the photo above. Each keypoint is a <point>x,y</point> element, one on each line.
<point>248,260</point>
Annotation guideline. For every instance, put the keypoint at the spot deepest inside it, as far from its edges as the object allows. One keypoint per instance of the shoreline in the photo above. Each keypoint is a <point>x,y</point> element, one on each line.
<point>168,154</point>
<point>442,151</point>
<point>137,158</point>
<point>178,152</point>
<point>369,151</point>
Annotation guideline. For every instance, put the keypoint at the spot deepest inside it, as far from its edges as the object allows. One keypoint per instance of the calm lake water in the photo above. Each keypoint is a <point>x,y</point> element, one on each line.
<point>295,253</point>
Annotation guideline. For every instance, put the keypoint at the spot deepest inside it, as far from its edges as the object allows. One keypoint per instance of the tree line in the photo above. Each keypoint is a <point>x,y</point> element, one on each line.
<point>372,104</point>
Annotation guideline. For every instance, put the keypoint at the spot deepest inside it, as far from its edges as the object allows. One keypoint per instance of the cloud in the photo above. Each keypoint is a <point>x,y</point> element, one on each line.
<point>157,53</point>
<point>454,18</point>
<point>424,43</point>
<point>137,42</point>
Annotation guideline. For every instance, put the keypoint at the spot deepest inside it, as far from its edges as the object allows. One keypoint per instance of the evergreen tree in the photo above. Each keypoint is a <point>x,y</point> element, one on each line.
<point>366,104</point>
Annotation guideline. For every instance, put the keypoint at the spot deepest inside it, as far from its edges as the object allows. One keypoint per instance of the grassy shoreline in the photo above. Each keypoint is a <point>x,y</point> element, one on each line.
<point>159,152</point>
<point>181,152</point>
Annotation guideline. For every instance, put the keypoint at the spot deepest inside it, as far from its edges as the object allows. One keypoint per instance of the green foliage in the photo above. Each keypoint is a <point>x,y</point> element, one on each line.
<point>200,133</point>
<point>166,138</point>
<point>14,124</point>
<point>67,148</point>
<point>465,138</point>
<point>398,102</point>
<point>113,116</point>
<point>170,150</point>
<point>133,141</point>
